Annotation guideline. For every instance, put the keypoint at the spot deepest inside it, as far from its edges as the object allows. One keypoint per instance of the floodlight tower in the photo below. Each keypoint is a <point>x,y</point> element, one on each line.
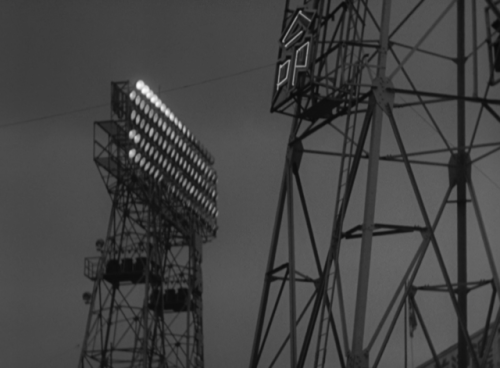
<point>146,303</point>
<point>356,86</point>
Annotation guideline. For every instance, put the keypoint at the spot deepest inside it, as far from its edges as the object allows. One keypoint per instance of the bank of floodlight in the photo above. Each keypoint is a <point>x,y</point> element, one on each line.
<point>169,154</point>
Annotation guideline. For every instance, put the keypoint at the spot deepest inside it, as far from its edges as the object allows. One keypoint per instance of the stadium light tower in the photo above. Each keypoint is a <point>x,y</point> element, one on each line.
<point>358,87</point>
<point>146,303</point>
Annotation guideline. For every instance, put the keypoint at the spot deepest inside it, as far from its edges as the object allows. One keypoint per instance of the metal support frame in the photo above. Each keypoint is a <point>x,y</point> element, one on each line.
<point>342,88</point>
<point>146,305</point>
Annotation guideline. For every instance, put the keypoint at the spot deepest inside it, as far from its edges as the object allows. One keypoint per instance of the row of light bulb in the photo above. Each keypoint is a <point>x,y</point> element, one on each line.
<point>159,147</point>
<point>162,109</point>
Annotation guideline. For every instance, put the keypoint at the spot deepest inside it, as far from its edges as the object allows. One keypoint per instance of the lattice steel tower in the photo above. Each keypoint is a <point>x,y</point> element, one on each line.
<point>373,185</point>
<point>146,303</point>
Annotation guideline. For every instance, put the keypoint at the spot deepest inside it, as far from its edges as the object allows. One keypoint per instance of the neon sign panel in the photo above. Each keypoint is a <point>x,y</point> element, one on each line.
<point>296,42</point>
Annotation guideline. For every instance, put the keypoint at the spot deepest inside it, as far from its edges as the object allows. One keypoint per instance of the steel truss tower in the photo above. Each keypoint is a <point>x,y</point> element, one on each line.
<point>358,78</point>
<point>146,304</point>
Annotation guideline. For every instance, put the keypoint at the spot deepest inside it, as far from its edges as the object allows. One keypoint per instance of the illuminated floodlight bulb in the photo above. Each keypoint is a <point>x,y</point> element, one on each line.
<point>146,109</point>
<point>132,134</point>
<point>171,116</point>
<point>158,103</point>
<point>151,114</point>
<point>156,136</point>
<point>137,158</point>
<point>143,161</point>
<point>143,141</point>
<point>131,153</point>
<point>142,124</point>
<point>183,129</point>
<point>137,138</point>
<point>145,89</point>
<point>132,95</point>
<point>164,162</point>
<point>147,147</point>
<point>157,172</point>
<point>163,107</point>
<point>137,119</point>
<point>140,84</point>
<point>176,121</point>
<point>155,117</point>
<point>147,166</point>
<point>151,132</point>
<point>142,104</point>
<point>155,155</point>
<point>154,99</point>
<point>137,100</point>
<point>167,112</point>
<point>151,170</point>
<point>164,144</point>
<point>148,94</point>
<point>160,178</point>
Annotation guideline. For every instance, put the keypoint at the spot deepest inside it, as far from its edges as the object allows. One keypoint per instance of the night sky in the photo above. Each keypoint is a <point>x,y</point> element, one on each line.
<point>213,61</point>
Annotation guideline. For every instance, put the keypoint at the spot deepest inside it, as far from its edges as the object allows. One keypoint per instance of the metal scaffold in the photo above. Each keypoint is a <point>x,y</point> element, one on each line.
<point>146,304</point>
<point>376,209</point>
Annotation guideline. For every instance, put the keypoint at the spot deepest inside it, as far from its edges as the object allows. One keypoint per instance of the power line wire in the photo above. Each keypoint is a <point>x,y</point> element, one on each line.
<point>71,112</point>
<point>88,108</point>
<point>218,78</point>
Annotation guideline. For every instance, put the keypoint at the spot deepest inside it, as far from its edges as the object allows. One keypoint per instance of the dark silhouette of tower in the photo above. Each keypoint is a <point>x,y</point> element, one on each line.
<point>355,76</point>
<point>146,303</point>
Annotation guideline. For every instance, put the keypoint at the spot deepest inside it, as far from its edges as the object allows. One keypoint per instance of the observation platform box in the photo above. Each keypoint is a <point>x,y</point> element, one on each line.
<point>124,270</point>
<point>171,300</point>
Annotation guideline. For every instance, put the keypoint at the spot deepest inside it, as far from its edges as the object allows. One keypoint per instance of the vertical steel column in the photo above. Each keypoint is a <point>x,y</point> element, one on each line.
<point>145,308</point>
<point>358,358</point>
<point>462,163</point>
<point>255,356</point>
<point>291,258</point>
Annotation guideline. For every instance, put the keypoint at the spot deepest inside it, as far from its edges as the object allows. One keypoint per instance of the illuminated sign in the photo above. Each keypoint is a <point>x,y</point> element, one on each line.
<point>296,50</point>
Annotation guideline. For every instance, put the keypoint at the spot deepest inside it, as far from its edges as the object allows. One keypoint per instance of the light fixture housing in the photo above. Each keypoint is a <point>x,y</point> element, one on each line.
<point>148,144</point>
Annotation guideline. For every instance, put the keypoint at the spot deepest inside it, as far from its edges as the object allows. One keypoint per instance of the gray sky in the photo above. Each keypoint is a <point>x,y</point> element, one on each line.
<point>60,56</point>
